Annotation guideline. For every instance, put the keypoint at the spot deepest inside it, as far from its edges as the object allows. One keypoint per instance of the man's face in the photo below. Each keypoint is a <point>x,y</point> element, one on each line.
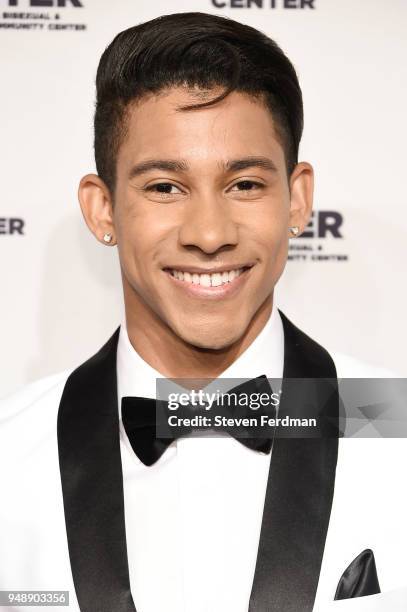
<point>202,229</point>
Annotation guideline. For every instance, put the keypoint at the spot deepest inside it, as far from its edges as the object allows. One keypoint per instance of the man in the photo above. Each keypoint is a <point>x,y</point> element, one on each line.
<point>197,128</point>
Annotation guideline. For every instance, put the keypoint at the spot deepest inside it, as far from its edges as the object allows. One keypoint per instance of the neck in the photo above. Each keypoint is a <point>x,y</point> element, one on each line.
<point>170,355</point>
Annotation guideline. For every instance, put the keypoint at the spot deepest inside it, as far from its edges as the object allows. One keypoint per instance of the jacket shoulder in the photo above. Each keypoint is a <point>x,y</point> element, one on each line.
<point>349,366</point>
<point>41,391</point>
<point>303,356</point>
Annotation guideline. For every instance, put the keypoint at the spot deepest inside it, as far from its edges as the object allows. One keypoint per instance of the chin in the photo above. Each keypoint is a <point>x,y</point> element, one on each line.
<point>213,339</point>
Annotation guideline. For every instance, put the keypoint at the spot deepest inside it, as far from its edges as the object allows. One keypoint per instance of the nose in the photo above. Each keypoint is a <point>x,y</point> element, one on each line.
<point>208,224</point>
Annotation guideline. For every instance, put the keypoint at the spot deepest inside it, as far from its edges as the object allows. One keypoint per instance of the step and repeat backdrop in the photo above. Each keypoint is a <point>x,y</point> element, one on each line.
<point>345,282</point>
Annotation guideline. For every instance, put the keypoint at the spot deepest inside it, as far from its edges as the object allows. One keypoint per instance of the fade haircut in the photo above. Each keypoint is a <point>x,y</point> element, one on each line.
<point>200,51</point>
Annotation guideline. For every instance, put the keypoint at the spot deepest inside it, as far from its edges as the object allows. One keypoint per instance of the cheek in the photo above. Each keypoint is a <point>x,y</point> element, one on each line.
<point>137,253</point>
<point>134,242</point>
<point>272,242</point>
<point>143,234</point>
<point>270,230</point>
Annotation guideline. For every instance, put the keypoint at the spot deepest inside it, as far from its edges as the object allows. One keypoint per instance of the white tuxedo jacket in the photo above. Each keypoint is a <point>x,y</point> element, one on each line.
<point>333,524</point>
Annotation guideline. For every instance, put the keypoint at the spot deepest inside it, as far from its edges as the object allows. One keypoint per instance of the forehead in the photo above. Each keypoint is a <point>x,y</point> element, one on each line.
<point>238,125</point>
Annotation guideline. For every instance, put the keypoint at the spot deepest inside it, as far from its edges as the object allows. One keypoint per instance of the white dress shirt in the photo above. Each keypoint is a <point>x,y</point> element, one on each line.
<point>193,518</point>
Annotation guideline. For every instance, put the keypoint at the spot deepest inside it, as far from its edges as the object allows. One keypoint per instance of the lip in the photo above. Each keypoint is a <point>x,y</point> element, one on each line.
<point>226,290</point>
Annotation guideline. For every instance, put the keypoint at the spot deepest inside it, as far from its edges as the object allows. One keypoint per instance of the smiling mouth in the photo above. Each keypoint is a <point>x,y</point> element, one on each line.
<point>207,279</point>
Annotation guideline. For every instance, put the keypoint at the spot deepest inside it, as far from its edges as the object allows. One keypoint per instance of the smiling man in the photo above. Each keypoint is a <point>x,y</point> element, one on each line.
<point>197,127</point>
<point>201,211</point>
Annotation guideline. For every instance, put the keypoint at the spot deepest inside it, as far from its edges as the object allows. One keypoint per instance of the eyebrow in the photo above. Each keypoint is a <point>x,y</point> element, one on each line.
<point>180,165</point>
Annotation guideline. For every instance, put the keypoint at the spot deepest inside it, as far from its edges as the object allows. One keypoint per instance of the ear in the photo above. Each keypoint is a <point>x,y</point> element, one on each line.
<point>301,195</point>
<point>97,207</point>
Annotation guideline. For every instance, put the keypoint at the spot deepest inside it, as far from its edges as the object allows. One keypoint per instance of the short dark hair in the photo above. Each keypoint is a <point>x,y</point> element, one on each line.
<point>197,50</point>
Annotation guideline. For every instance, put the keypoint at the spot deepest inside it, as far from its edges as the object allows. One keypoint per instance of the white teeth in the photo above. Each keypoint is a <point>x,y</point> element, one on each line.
<point>216,280</point>
<point>207,280</point>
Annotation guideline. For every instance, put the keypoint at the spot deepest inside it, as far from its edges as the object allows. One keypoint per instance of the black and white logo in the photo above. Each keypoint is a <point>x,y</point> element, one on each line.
<point>45,15</point>
<point>321,240</point>
<point>13,226</point>
<point>264,4</point>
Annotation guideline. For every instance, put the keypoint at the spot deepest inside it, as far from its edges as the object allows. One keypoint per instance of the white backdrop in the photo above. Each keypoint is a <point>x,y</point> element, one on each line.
<point>60,289</point>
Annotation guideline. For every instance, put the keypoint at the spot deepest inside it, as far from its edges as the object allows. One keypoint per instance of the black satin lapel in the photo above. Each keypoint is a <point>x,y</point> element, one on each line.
<point>298,496</point>
<point>360,578</point>
<point>92,484</point>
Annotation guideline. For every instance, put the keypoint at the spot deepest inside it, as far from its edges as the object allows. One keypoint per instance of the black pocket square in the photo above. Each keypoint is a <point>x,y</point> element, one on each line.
<point>359,578</point>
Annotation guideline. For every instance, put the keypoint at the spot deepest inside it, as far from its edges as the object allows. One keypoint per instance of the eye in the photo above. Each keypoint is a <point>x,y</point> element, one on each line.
<point>163,189</point>
<point>247,185</point>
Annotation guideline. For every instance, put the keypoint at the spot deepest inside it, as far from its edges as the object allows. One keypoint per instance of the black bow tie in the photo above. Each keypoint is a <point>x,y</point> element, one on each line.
<point>139,421</point>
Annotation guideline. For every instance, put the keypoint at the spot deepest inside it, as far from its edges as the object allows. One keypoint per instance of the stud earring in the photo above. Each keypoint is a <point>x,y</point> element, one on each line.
<point>294,230</point>
<point>107,237</point>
